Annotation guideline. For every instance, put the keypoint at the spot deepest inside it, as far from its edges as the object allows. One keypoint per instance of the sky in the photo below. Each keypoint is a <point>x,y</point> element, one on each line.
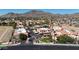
<point>54,11</point>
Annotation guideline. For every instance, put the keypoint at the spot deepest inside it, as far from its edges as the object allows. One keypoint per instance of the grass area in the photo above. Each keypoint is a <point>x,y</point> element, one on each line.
<point>46,39</point>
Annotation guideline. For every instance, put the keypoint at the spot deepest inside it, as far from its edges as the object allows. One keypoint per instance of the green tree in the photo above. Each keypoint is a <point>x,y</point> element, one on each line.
<point>23,37</point>
<point>4,23</point>
<point>12,24</point>
<point>65,39</point>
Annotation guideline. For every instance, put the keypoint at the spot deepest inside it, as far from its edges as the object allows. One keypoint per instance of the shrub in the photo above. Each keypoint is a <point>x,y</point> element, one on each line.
<point>13,24</point>
<point>65,39</point>
<point>46,39</point>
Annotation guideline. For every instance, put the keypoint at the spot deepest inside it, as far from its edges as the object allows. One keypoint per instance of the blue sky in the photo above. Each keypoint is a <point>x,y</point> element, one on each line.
<point>55,11</point>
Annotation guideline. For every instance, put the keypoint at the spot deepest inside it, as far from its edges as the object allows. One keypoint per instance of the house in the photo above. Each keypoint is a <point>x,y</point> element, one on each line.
<point>43,30</point>
<point>19,29</point>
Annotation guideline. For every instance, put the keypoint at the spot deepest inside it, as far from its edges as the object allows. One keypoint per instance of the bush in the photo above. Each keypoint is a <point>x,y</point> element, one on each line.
<point>23,37</point>
<point>13,24</point>
<point>65,39</point>
<point>4,23</point>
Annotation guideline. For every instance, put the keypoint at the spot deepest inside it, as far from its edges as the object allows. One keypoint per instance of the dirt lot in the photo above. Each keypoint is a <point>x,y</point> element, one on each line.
<point>71,27</point>
<point>5,33</point>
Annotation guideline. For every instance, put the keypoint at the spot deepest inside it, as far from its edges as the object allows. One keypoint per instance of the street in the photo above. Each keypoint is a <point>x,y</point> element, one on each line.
<point>33,36</point>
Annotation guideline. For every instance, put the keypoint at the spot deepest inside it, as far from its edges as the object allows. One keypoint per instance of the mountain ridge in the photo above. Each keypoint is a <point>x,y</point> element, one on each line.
<point>36,13</point>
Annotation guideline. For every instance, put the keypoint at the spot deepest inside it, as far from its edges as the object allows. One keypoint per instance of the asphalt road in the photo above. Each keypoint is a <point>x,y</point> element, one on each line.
<point>33,36</point>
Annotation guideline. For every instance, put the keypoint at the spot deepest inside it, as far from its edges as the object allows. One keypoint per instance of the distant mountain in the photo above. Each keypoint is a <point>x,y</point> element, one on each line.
<point>36,13</point>
<point>33,13</point>
<point>11,14</point>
